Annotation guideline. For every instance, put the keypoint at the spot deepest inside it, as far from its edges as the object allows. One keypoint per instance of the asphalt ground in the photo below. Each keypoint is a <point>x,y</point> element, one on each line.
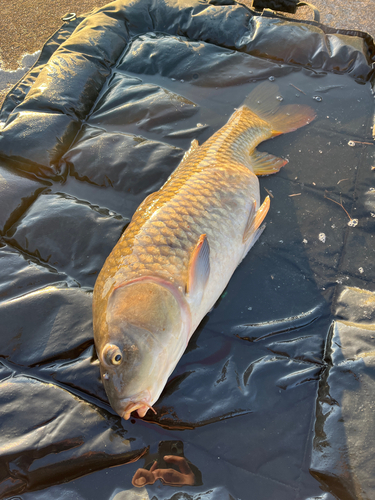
<point>25,25</point>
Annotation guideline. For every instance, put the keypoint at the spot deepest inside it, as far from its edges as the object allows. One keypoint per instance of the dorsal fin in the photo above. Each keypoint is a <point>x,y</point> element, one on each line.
<point>198,269</point>
<point>148,201</point>
<point>194,145</point>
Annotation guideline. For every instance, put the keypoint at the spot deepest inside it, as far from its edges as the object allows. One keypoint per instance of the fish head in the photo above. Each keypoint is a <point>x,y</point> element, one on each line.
<point>141,337</point>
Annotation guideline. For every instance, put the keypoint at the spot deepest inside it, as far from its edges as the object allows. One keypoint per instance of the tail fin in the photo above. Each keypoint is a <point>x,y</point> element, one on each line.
<point>263,102</point>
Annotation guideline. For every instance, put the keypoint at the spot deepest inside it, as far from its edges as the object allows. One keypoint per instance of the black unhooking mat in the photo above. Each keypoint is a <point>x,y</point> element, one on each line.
<point>274,397</point>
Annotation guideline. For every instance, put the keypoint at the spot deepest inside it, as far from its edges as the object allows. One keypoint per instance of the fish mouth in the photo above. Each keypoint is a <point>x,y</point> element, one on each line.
<point>139,402</point>
<point>142,408</point>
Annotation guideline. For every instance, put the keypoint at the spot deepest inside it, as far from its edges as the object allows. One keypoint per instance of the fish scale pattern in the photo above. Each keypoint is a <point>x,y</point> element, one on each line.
<point>211,192</point>
<point>166,227</point>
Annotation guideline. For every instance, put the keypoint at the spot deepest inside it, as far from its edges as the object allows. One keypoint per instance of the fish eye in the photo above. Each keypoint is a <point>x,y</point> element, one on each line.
<point>112,354</point>
<point>116,360</point>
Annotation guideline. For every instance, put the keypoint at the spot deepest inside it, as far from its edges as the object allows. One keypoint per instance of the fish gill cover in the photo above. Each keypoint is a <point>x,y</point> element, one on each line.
<point>269,395</point>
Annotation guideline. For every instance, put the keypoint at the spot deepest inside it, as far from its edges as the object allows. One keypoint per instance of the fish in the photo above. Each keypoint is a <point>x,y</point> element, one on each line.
<point>181,248</point>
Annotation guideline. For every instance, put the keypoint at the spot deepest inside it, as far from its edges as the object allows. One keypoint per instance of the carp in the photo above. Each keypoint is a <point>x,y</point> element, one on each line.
<point>181,248</point>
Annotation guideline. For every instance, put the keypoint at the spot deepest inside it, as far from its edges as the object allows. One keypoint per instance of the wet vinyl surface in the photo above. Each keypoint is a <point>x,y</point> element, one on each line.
<point>257,400</point>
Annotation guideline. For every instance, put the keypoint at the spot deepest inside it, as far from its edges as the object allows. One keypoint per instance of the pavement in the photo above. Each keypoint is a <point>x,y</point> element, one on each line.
<point>25,27</point>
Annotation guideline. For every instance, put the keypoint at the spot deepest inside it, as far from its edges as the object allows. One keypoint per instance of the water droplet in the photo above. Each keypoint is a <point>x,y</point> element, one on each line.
<point>353,222</point>
<point>106,376</point>
<point>271,78</point>
<point>279,98</point>
<point>360,269</point>
<point>318,98</point>
<point>322,237</point>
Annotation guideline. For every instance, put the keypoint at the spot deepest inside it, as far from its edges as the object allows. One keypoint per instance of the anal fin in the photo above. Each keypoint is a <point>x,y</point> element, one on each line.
<point>265,163</point>
<point>256,217</point>
<point>199,269</point>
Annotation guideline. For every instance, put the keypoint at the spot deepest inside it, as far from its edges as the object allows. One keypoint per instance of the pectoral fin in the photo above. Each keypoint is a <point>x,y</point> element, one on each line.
<point>266,164</point>
<point>199,269</point>
<point>255,219</point>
